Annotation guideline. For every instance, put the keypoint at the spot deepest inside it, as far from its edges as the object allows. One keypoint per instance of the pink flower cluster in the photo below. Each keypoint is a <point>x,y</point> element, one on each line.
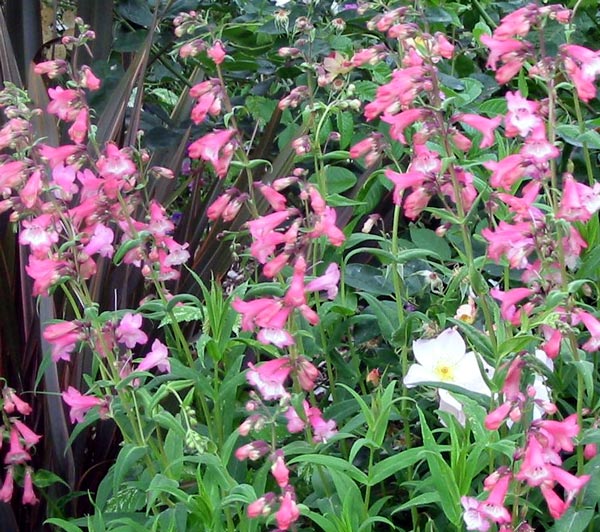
<point>270,379</point>
<point>22,440</point>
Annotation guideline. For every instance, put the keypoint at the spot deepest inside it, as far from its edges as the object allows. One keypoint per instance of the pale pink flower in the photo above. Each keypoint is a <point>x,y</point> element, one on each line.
<point>323,430</point>
<point>129,330</point>
<point>269,377</point>
<point>63,181</point>
<point>52,69</point>
<point>101,242</point>
<point>252,451</point>
<point>80,404</point>
<point>522,117</point>
<point>579,202</point>
<point>156,358</point>
<point>515,242</point>
<point>64,103</point>
<point>328,282</point>
<point>294,422</point>
<point>64,337</point>
<point>39,234</point>
<point>115,164</point>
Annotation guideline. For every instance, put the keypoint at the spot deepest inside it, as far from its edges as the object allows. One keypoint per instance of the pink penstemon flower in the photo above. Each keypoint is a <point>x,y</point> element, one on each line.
<point>12,402</point>
<point>6,492</point>
<point>81,404</point>
<point>217,148</point>
<point>17,454</point>
<point>129,330</point>
<point>582,66</point>
<point>29,496</point>
<point>288,512</point>
<point>486,126</point>
<point>64,337</point>
<point>217,52</point>
<point>157,357</point>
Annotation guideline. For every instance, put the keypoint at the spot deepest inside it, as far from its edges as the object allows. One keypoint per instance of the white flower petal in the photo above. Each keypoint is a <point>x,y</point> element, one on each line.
<point>448,347</point>
<point>418,374</point>
<point>451,405</point>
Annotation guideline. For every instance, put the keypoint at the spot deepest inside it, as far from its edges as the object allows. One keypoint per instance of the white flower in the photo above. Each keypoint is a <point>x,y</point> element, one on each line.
<point>444,359</point>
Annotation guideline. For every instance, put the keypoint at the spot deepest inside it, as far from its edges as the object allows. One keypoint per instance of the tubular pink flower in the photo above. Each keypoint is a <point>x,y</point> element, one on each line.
<point>556,505</point>
<point>497,416</point>
<point>156,358</point>
<point>252,451</point>
<point>216,148</point>
<point>329,282</point>
<point>12,401</point>
<point>17,453</point>
<point>486,126</point>
<point>280,471</point>
<point>80,404</point>
<point>560,434</point>
<point>400,121</point>
<point>269,377</point>
<point>6,492</point>
<point>28,493</point>
<point>288,512</point>
<point>217,52</point>
<point>129,330</point>
<point>88,79</point>
<point>509,300</point>
<point>30,437</point>
<point>64,337</point>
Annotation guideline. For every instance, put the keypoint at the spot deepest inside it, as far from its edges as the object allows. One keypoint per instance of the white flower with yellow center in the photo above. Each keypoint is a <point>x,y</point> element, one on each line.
<point>444,359</point>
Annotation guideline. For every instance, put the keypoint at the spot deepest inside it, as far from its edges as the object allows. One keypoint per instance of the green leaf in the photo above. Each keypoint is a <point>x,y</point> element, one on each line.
<point>345,127</point>
<point>128,457</point>
<point>368,278</point>
<point>427,239</point>
<point>64,525</point>
<point>339,179</point>
<point>493,107</point>
<point>365,90</point>
<point>386,314</point>
<point>447,490</point>
<point>420,500</point>
<point>585,368</point>
<point>570,134</point>
<point>390,466</point>
<point>332,462</point>
<point>574,521</point>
